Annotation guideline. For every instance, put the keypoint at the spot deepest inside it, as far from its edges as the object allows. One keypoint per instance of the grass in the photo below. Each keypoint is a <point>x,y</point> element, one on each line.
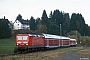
<point>43,55</point>
<point>7,46</point>
<point>84,51</point>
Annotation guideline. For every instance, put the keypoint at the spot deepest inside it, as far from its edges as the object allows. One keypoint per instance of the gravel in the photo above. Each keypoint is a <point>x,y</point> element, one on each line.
<point>73,55</point>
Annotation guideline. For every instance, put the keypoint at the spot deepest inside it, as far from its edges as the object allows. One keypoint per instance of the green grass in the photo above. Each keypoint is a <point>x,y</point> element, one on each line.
<point>7,46</point>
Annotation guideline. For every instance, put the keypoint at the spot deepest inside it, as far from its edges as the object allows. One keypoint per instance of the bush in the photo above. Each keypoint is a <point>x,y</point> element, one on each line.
<point>85,40</point>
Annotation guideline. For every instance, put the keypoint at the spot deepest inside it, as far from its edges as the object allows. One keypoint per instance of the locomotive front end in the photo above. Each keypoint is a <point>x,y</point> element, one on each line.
<point>22,42</point>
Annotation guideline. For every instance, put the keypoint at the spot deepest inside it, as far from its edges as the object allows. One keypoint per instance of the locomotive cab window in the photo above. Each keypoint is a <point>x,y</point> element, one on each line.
<point>19,37</point>
<point>22,37</point>
<point>25,37</point>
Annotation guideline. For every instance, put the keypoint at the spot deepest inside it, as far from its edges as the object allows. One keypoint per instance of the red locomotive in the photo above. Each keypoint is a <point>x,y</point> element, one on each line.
<point>30,42</point>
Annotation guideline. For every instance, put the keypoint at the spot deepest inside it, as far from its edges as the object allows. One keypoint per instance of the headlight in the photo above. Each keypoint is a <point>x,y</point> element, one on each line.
<point>26,44</point>
<point>17,44</point>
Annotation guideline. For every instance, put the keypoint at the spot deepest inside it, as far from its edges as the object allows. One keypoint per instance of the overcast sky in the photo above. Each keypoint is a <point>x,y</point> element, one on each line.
<point>27,8</point>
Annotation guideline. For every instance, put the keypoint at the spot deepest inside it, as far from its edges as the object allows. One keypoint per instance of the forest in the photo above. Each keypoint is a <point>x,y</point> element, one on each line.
<point>58,23</point>
<point>52,23</point>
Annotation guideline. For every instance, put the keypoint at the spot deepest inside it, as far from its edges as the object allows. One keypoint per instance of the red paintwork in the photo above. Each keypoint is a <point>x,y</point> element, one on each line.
<point>72,42</point>
<point>41,41</point>
<point>60,42</point>
<point>32,40</point>
<point>45,42</point>
<point>64,42</point>
<point>22,44</point>
<point>37,41</point>
<point>53,42</point>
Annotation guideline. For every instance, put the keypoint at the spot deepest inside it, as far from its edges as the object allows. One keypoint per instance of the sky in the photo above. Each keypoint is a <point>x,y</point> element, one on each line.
<point>27,8</point>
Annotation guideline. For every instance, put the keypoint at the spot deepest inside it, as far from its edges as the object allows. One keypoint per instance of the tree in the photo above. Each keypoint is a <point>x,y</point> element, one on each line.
<point>57,17</point>
<point>41,28</point>
<point>55,20</point>
<point>19,17</point>
<point>73,22</point>
<point>5,30</point>
<point>50,16</point>
<point>80,24</point>
<point>32,24</point>
<point>37,22</point>
<point>87,30</point>
<point>85,40</point>
<point>53,29</point>
<point>45,20</point>
<point>75,34</point>
<point>77,23</point>
<point>66,24</point>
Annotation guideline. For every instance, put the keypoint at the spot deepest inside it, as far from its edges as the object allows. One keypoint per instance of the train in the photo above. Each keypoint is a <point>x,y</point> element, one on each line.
<point>33,42</point>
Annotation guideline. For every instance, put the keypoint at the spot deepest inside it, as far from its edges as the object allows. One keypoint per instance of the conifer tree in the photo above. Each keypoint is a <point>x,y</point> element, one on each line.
<point>45,20</point>
<point>32,23</point>
<point>5,30</point>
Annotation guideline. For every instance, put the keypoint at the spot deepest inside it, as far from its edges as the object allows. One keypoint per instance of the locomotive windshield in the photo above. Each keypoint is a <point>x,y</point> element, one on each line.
<point>22,37</point>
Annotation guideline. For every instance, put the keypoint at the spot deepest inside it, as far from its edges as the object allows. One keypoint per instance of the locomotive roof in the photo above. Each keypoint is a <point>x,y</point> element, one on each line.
<point>55,36</point>
<point>34,34</point>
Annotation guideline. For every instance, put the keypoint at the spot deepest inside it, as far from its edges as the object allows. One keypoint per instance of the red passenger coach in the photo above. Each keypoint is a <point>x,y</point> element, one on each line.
<point>73,42</point>
<point>64,41</point>
<point>51,41</point>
